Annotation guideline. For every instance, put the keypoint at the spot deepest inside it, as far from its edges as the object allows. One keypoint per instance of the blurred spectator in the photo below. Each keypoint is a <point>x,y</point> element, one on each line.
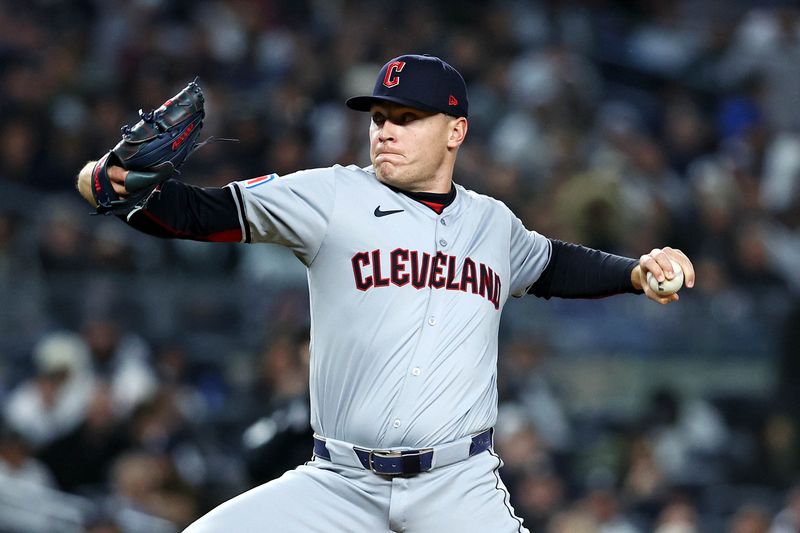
<point>644,483</point>
<point>572,521</point>
<point>780,185</point>
<point>530,468</point>
<point>788,519</point>
<point>80,459</point>
<point>686,133</point>
<point>158,427</point>
<point>278,438</point>
<point>663,43</point>
<point>101,525</point>
<point>539,495</point>
<point>62,245</point>
<point>198,386</point>
<point>766,44</point>
<point>109,249</point>
<point>780,445</point>
<point>603,505</point>
<point>522,447</point>
<point>678,516</point>
<point>144,483</point>
<point>688,438</point>
<point>529,386</point>
<point>121,358</point>
<point>54,400</point>
<point>750,519</point>
<point>716,198</point>
<point>18,463</point>
<point>18,149</point>
<point>588,208</point>
<point>753,266</point>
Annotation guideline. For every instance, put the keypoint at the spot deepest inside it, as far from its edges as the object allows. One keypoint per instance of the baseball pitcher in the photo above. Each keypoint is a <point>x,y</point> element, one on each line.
<point>408,274</point>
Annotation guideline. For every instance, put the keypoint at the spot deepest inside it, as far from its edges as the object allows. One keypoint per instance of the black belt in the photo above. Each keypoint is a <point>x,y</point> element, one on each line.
<point>402,462</point>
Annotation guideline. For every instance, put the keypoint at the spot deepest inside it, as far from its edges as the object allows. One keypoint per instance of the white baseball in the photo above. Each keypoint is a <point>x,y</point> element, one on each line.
<point>668,286</point>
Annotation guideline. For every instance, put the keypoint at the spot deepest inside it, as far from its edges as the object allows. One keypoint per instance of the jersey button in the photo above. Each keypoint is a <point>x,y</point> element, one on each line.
<point>444,223</point>
<point>415,371</point>
<point>396,423</point>
<point>432,321</point>
<point>442,242</point>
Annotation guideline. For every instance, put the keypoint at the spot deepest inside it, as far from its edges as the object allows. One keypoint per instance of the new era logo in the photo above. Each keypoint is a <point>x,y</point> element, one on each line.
<point>452,100</point>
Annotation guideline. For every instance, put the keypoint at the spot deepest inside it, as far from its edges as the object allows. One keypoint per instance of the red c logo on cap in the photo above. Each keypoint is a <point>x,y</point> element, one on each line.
<point>391,79</point>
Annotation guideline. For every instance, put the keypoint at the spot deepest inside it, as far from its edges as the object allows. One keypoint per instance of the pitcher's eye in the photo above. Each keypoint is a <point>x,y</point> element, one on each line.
<point>405,118</point>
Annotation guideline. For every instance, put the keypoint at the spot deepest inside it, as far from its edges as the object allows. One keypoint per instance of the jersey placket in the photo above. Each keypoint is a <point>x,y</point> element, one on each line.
<point>417,366</point>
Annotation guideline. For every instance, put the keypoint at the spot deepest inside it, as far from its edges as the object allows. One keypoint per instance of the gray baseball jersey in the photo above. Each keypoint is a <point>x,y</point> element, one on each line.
<point>405,302</point>
<point>405,311</point>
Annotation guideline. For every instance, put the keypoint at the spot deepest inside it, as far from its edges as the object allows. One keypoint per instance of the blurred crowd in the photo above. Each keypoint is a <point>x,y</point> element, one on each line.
<point>144,381</point>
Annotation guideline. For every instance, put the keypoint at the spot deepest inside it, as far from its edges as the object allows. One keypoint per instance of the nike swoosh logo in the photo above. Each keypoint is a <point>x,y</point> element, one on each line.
<point>379,213</point>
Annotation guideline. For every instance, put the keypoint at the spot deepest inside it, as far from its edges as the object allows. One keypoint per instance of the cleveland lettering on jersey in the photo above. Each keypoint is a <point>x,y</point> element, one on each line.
<point>440,271</point>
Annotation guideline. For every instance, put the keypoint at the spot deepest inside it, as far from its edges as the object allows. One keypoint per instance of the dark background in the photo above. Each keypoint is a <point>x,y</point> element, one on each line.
<point>145,381</point>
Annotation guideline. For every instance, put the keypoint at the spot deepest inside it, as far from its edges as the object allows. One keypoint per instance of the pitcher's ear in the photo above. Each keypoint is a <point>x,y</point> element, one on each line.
<point>458,132</point>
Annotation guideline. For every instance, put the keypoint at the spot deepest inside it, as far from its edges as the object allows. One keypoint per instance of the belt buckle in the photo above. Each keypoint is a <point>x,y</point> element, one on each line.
<point>391,454</point>
<point>388,454</point>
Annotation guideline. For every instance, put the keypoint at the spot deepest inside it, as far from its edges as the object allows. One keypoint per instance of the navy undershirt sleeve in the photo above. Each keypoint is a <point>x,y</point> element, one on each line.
<point>575,271</point>
<point>178,210</point>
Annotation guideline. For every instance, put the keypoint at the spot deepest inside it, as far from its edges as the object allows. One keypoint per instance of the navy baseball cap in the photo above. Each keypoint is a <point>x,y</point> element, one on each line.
<point>419,81</point>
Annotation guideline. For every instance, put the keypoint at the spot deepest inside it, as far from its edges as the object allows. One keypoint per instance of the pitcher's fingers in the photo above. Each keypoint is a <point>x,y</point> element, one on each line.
<point>117,177</point>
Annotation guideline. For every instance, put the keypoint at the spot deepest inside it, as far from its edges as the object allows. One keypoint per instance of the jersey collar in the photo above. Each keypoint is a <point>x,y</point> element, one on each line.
<point>454,202</point>
<point>435,201</point>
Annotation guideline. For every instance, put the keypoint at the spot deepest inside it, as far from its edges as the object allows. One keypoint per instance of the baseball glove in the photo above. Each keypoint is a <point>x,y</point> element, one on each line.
<point>152,151</point>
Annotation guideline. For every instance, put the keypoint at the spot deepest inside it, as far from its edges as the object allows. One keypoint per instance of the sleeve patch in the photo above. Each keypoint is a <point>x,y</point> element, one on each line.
<point>261,180</point>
